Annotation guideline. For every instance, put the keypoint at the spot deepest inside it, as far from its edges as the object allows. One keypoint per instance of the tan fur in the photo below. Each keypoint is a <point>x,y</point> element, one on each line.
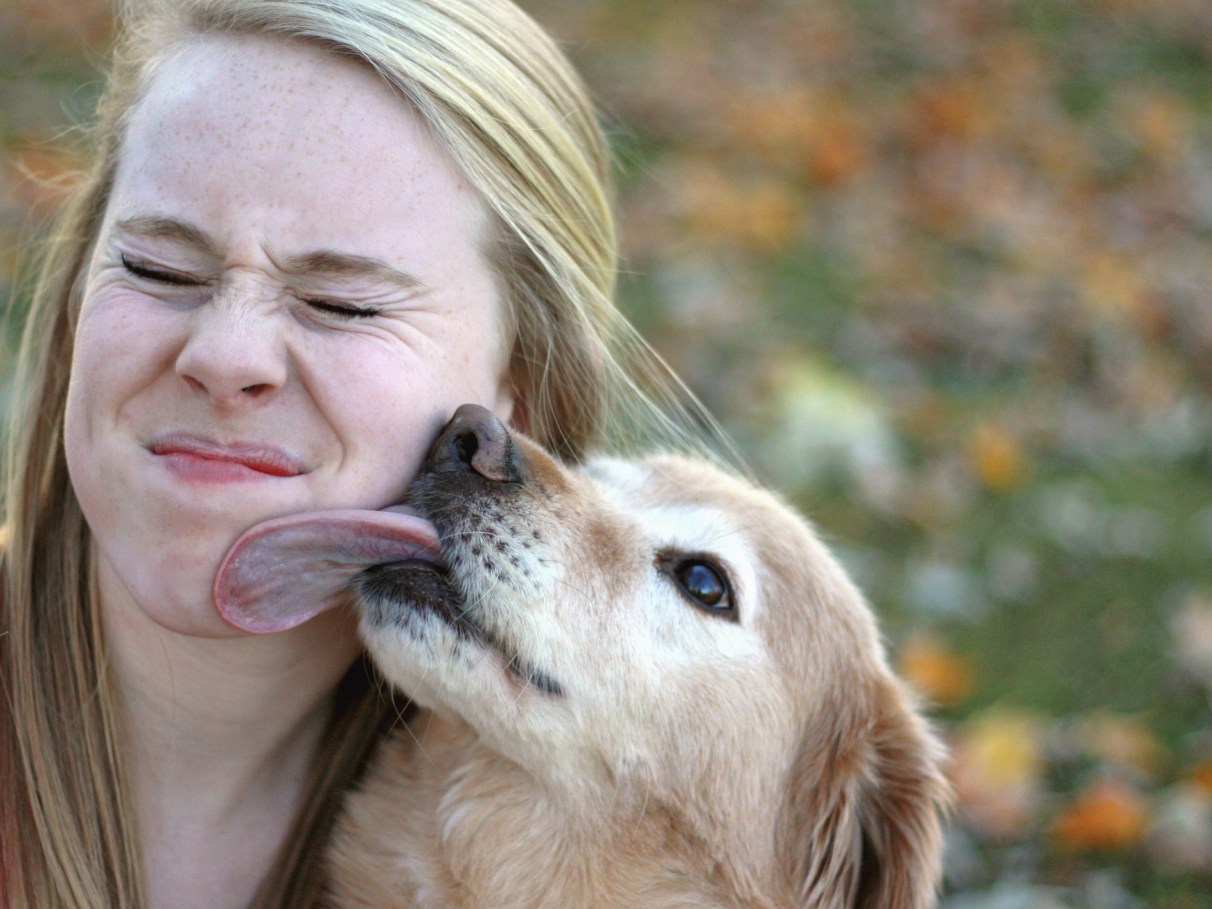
<point>688,760</point>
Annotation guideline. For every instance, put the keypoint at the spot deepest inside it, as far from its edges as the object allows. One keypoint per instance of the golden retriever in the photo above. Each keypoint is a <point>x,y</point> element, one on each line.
<point>645,685</point>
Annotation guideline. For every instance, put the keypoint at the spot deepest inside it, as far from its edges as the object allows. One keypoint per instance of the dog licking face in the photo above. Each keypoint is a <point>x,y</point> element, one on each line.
<point>646,684</point>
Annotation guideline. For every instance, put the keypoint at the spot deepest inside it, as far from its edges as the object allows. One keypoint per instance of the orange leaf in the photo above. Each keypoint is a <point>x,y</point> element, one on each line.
<point>837,154</point>
<point>759,215</point>
<point>998,457</point>
<point>938,672</point>
<point>1107,815</point>
<point>1202,775</point>
<point>954,107</point>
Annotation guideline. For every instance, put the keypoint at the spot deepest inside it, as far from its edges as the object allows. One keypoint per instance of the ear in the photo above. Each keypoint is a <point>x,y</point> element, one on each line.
<point>862,827</point>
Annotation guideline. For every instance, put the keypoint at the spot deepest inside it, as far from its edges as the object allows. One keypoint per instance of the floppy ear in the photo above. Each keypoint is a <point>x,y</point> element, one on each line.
<point>862,823</point>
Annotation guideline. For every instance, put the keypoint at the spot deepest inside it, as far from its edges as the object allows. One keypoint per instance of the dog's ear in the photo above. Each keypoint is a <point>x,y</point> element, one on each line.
<point>862,823</point>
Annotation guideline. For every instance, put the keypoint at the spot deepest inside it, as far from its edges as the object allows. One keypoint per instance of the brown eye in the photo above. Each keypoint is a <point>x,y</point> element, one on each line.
<point>702,582</point>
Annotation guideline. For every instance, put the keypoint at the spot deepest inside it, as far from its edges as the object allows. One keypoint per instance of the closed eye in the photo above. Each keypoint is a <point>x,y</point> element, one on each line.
<point>141,269</point>
<point>343,310</point>
<point>702,581</point>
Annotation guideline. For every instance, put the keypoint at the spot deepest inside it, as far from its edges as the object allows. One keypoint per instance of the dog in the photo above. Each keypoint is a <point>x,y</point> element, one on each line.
<point>644,685</point>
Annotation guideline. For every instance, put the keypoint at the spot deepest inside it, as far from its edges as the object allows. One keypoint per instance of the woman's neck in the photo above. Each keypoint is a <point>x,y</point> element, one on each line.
<point>219,735</point>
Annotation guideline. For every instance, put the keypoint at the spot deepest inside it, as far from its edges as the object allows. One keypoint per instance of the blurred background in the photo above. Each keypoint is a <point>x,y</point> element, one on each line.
<point>944,271</point>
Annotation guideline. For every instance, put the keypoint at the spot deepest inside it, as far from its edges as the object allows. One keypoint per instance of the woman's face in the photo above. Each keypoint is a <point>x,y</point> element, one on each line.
<point>288,298</point>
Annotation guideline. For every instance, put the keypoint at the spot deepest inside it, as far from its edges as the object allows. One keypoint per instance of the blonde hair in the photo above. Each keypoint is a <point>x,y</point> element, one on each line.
<point>500,96</point>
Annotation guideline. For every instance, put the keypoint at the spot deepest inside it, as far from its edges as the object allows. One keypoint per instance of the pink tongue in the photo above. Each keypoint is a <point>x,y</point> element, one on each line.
<point>283,572</point>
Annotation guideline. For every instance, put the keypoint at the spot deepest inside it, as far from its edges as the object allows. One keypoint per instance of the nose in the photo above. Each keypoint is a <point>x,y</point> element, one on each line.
<point>232,354</point>
<point>475,441</point>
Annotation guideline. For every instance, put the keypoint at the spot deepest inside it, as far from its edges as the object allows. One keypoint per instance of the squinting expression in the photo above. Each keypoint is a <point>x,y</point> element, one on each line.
<point>287,299</point>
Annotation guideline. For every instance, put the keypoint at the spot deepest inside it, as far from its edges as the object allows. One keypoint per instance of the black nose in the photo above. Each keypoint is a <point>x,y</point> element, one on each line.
<point>475,440</point>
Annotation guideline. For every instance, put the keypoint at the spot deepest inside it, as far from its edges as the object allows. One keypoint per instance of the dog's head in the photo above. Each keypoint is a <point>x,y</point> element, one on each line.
<point>660,637</point>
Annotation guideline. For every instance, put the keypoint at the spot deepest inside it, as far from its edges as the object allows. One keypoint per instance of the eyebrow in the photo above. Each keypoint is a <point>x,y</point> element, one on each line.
<point>334,264</point>
<point>320,262</point>
<point>167,229</point>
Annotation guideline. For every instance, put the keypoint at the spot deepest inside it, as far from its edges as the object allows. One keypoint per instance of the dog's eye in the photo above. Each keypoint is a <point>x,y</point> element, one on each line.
<point>703,582</point>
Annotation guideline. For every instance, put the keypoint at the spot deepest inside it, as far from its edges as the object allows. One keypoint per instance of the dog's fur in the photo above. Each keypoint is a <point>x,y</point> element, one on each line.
<point>591,737</point>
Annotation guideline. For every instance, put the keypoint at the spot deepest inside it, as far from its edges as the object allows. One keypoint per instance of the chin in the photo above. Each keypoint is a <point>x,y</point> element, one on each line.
<point>172,591</point>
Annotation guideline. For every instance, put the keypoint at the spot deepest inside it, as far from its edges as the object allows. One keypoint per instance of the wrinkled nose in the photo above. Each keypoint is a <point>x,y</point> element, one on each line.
<point>475,441</point>
<point>231,357</point>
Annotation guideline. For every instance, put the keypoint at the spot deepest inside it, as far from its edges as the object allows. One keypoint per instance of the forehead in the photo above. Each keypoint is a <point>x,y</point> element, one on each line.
<point>692,509</point>
<point>294,135</point>
<point>676,482</point>
<point>787,578</point>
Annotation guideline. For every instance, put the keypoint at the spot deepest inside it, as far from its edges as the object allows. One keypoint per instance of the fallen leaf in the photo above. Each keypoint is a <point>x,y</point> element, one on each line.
<point>997,771</point>
<point>1106,815</point>
<point>1126,741</point>
<point>998,457</point>
<point>941,674</point>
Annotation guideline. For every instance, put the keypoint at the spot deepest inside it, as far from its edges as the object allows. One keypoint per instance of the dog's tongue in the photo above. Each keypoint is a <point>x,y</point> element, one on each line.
<point>283,572</point>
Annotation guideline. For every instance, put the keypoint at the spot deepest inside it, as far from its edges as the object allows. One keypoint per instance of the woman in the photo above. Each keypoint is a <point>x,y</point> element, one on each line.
<point>310,231</point>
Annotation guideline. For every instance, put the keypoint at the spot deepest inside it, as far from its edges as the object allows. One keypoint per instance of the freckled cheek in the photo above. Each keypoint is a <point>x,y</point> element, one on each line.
<point>125,326</point>
<point>92,371</point>
<point>383,411</point>
<point>116,353</point>
<point>388,410</point>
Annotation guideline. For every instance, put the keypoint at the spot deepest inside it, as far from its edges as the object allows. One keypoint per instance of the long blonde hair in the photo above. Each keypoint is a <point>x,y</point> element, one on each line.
<point>503,100</point>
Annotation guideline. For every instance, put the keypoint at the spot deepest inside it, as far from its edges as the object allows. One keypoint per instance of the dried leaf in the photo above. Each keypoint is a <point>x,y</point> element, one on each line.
<point>1107,815</point>
<point>940,673</point>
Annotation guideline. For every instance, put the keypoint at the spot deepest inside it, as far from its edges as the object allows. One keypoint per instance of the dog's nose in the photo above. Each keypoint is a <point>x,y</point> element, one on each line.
<point>475,440</point>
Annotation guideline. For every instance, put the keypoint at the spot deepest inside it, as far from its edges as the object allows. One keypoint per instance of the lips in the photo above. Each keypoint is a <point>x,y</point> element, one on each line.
<point>264,459</point>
